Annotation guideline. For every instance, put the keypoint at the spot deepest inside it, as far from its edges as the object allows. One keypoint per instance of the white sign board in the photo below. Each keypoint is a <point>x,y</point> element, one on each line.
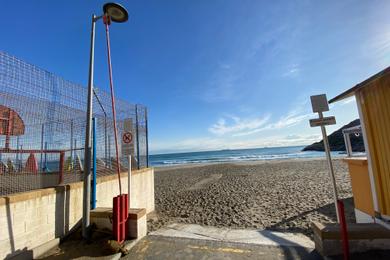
<point>330,120</point>
<point>127,138</point>
<point>319,103</point>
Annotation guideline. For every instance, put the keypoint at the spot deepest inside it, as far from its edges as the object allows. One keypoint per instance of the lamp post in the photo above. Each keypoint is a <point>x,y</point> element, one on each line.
<point>116,13</point>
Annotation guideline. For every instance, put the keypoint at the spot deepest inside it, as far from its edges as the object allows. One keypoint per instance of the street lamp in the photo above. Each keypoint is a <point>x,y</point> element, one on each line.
<point>116,13</point>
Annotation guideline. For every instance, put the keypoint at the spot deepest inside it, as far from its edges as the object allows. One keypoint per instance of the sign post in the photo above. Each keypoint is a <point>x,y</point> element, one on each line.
<point>319,104</point>
<point>129,181</point>
<point>128,150</point>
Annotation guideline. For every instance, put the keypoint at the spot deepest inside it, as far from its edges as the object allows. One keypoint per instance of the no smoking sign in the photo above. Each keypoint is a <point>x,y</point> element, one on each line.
<point>127,137</point>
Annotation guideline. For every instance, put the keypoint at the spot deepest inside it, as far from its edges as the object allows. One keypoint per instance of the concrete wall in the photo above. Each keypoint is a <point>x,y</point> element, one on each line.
<point>33,218</point>
<point>362,237</point>
<point>141,194</point>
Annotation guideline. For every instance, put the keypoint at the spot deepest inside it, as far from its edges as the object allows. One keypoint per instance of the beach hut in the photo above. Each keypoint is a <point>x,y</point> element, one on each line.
<point>370,175</point>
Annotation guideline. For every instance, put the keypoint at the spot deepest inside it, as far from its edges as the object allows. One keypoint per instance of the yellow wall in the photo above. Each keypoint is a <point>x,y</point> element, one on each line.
<point>360,181</point>
<point>375,107</point>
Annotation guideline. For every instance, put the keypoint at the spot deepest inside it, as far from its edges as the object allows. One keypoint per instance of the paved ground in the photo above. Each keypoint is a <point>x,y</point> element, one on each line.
<point>186,241</point>
<point>245,236</point>
<point>162,247</point>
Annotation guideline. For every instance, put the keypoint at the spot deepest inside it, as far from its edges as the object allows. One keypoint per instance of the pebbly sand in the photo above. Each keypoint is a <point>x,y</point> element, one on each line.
<point>276,195</point>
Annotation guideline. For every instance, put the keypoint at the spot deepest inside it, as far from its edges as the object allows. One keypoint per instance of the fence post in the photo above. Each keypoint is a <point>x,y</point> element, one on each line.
<point>17,154</point>
<point>109,152</point>
<point>42,136</point>
<point>93,197</point>
<point>137,133</point>
<point>105,141</point>
<point>147,137</point>
<point>61,179</point>
<point>74,160</point>
<point>45,163</point>
<point>71,141</point>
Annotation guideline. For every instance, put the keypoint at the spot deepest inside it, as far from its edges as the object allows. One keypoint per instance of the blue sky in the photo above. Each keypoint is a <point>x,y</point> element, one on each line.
<point>214,74</point>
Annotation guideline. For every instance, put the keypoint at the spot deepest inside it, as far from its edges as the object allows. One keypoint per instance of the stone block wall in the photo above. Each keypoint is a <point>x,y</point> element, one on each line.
<point>33,218</point>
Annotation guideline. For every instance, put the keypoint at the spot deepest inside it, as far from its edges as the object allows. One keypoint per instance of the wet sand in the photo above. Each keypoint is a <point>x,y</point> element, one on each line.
<point>277,195</point>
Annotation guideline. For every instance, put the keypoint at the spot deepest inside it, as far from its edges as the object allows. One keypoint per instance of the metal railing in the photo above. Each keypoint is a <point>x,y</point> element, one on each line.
<point>355,130</point>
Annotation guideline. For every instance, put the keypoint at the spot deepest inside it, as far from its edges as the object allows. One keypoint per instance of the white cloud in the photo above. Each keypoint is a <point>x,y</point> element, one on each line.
<point>221,127</point>
<point>293,71</point>
<point>291,119</point>
<point>248,126</point>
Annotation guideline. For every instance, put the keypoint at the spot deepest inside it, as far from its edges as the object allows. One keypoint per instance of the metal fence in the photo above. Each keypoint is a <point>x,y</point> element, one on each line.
<point>42,129</point>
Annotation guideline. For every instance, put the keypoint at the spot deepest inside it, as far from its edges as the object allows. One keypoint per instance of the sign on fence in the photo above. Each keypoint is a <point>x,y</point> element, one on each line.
<point>127,138</point>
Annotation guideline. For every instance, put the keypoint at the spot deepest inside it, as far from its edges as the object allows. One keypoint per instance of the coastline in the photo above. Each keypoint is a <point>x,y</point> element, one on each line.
<point>282,195</point>
<point>246,162</point>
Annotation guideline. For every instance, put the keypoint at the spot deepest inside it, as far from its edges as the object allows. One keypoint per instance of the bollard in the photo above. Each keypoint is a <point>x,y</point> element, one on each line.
<point>343,229</point>
<point>120,215</point>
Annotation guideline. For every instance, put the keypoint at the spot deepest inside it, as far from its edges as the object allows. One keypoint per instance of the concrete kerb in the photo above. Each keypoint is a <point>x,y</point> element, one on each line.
<point>129,244</point>
<point>37,251</point>
<point>245,236</point>
<point>115,256</point>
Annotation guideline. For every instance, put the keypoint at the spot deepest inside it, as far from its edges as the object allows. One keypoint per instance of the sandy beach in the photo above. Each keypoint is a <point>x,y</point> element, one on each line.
<point>278,195</point>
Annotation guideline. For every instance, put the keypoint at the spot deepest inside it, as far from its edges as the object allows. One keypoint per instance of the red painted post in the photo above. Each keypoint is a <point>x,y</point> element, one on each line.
<point>343,229</point>
<point>120,214</point>
<point>107,21</point>
<point>61,177</point>
<point>125,213</point>
<point>123,217</point>
<point>115,218</point>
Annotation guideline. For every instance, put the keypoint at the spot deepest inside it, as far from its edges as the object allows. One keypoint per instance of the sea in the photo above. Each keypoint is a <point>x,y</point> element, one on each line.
<point>239,155</point>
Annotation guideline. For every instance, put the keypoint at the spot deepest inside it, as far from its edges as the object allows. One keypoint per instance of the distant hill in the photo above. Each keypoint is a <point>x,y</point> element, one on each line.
<point>336,140</point>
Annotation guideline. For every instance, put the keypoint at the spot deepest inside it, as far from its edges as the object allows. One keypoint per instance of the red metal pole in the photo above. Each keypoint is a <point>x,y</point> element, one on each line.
<point>126,215</point>
<point>123,216</point>
<point>116,218</point>
<point>343,229</point>
<point>107,22</point>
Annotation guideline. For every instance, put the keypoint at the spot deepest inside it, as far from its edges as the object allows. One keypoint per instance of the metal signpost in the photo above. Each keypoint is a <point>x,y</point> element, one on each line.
<point>127,148</point>
<point>319,104</point>
<point>129,181</point>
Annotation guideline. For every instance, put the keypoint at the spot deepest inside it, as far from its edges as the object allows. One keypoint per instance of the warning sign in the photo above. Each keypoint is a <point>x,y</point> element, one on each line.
<point>127,137</point>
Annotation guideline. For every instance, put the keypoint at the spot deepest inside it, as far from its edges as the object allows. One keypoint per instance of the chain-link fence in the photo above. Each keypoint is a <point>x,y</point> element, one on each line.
<point>42,129</point>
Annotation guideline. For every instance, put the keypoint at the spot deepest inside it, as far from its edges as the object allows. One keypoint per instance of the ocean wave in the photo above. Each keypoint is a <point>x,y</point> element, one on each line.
<point>234,156</point>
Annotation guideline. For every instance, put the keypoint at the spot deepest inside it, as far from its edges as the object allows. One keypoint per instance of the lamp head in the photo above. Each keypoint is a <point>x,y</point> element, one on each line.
<point>116,12</point>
